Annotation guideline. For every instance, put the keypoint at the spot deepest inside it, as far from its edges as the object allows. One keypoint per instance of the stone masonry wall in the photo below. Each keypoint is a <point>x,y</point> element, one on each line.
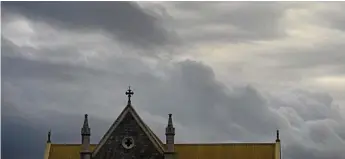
<point>143,147</point>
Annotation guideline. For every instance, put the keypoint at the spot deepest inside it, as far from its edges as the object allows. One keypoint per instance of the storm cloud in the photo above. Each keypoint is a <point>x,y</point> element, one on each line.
<point>241,85</point>
<point>125,20</point>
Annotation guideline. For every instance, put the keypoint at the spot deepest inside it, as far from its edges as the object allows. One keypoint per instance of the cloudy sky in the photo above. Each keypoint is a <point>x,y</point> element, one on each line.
<point>227,71</point>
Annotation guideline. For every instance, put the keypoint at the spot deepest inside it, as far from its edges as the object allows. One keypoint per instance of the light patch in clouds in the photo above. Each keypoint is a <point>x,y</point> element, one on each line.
<point>288,61</point>
<point>332,80</point>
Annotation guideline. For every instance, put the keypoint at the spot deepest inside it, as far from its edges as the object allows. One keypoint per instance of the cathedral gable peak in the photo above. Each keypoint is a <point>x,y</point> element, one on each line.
<point>129,134</point>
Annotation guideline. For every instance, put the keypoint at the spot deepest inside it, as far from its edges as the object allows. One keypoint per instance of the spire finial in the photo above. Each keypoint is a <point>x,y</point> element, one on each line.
<point>170,123</point>
<point>49,135</point>
<point>129,93</point>
<point>170,130</point>
<point>85,130</point>
<point>170,135</point>
<point>277,140</point>
<point>86,121</point>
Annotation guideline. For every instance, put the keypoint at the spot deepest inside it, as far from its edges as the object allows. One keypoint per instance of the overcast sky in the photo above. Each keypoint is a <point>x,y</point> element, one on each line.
<point>227,71</point>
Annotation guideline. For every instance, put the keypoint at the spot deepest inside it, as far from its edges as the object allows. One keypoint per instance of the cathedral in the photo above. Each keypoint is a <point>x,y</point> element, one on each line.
<point>130,138</point>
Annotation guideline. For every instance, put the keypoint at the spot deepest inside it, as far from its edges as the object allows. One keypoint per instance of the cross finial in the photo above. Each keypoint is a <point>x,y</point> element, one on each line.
<point>49,135</point>
<point>277,140</point>
<point>129,93</point>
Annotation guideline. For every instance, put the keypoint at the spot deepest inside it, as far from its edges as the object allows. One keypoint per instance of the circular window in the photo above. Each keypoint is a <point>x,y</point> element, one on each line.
<point>128,142</point>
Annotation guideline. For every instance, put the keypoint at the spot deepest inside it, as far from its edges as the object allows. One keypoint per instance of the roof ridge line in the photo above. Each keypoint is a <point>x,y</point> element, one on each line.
<point>148,130</point>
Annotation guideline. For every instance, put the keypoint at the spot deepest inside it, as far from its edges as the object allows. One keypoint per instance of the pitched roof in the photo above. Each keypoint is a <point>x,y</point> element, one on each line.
<point>187,151</point>
<point>129,109</point>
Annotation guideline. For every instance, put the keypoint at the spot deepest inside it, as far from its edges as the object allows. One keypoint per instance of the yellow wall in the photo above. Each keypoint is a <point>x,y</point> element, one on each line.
<point>224,151</point>
<point>187,151</point>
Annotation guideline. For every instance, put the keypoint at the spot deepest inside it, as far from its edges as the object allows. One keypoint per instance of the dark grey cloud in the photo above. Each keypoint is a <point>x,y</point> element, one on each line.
<point>41,92</point>
<point>125,20</point>
<point>25,135</point>
<point>19,139</point>
<point>35,86</point>
<point>43,70</point>
<point>199,100</point>
<point>190,91</point>
<point>298,151</point>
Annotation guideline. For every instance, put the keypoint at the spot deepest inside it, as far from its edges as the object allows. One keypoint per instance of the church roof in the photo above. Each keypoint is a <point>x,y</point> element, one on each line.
<point>129,109</point>
<point>185,151</point>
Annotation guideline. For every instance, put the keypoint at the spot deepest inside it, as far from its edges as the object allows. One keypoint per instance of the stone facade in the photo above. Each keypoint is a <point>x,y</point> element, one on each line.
<point>128,132</point>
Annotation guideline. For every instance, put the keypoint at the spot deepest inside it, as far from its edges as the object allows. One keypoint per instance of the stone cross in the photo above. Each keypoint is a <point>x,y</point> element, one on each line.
<point>49,135</point>
<point>129,93</point>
